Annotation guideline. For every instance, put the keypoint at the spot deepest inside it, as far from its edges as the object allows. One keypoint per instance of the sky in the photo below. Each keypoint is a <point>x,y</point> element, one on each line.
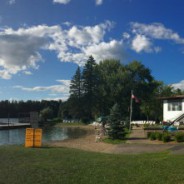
<point>42,42</point>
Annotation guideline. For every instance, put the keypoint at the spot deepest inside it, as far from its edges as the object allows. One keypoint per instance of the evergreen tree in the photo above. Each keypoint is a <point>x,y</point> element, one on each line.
<point>117,129</point>
<point>90,81</point>
<point>76,94</point>
<point>60,110</point>
<point>75,86</point>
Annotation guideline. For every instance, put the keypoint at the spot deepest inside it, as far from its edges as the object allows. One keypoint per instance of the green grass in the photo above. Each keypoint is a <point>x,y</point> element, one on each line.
<point>70,166</point>
<point>113,141</point>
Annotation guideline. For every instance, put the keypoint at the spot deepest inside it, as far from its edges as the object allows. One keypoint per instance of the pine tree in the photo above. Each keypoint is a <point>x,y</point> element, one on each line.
<point>76,94</point>
<point>90,80</point>
<point>117,129</point>
<point>75,86</point>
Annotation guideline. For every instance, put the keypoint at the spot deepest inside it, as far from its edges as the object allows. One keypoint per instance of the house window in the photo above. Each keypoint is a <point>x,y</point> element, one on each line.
<point>174,105</point>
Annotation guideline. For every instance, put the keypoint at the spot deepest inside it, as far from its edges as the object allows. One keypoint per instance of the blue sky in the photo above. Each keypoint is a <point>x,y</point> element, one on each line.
<point>43,41</point>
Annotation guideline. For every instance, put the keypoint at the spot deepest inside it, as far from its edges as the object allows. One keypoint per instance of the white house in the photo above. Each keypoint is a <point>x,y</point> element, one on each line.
<point>173,108</point>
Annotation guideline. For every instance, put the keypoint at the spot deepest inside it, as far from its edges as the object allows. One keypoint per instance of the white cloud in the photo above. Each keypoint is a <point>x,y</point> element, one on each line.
<point>64,82</point>
<point>60,89</point>
<point>156,31</point>
<point>61,1</point>
<point>67,23</point>
<point>5,74</point>
<point>27,73</point>
<point>141,43</point>
<point>99,2</point>
<point>20,49</point>
<point>78,40</point>
<point>19,53</point>
<point>146,34</point>
<point>11,2</point>
<point>88,35</point>
<point>179,85</point>
<point>105,50</point>
<point>126,35</point>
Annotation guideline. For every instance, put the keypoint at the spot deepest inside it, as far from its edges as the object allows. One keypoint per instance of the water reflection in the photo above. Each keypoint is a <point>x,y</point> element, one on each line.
<point>17,136</point>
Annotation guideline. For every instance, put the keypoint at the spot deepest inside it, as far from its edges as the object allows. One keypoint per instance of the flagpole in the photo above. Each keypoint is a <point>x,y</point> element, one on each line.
<point>130,110</point>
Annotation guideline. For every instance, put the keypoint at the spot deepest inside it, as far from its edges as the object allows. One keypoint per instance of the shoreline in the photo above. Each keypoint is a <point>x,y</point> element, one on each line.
<point>88,143</point>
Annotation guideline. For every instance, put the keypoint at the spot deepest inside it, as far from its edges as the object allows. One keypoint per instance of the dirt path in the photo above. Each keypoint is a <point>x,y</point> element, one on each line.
<point>137,143</point>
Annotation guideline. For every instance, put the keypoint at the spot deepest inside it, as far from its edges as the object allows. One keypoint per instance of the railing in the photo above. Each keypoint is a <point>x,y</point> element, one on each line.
<point>142,122</point>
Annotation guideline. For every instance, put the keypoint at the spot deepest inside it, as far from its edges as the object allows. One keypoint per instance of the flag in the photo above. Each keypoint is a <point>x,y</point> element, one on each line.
<point>135,98</point>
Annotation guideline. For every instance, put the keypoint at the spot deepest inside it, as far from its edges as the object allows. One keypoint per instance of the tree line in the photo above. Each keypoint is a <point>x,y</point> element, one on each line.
<point>16,109</point>
<point>96,88</point>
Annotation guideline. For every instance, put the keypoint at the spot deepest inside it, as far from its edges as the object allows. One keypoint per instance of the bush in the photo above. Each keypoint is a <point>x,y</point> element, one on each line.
<point>148,134</point>
<point>146,125</point>
<point>159,136</point>
<point>179,137</point>
<point>166,137</point>
<point>153,136</point>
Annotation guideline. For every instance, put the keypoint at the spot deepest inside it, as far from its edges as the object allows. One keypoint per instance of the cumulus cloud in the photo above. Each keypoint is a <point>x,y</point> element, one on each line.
<point>141,43</point>
<point>145,34</point>
<point>77,41</point>
<point>88,35</point>
<point>61,1</point>
<point>179,85</point>
<point>104,50</point>
<point>99,2</point>
<point>156,31</point>
<point>19,52</point>
<point>20,49</point>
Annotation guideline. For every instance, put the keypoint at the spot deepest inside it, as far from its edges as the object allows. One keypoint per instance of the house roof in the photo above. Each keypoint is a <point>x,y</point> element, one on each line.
<point>172,97</point>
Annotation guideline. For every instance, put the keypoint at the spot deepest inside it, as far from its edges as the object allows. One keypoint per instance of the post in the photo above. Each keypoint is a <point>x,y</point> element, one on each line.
<point>8,119</point>
<point>130,110</point>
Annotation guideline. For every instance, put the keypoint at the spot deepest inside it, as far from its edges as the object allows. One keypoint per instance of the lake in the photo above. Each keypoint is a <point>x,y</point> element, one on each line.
<point>17,136</point>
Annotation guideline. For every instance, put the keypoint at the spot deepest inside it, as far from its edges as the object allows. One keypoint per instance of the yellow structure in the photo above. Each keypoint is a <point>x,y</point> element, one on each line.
<point>38,137</point>
<point>29,137</point>
<point>33,137</point>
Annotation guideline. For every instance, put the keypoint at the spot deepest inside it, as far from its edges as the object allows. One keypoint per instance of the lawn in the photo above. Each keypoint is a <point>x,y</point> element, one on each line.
<point>70,166</point>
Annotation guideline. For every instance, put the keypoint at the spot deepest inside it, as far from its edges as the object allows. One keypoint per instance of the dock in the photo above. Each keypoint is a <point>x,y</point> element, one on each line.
<point>6,126</point>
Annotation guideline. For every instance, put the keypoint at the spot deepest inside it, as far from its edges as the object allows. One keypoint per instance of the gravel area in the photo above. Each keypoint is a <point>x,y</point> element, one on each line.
<point>137,143</point>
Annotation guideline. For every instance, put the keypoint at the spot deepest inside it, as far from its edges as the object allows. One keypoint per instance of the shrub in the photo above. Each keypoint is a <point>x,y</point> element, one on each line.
<point>179,137</point>
<point>148,134</point>
<point>146,125</point>
<point>159,136</point>
<point>166,137</point>
<point>153,136</point>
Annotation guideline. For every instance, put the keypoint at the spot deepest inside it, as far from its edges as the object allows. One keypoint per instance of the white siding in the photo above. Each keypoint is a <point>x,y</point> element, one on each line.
<point>171,115</point>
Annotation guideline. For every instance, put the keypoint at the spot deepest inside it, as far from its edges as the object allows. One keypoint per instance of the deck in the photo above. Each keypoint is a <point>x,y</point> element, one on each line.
<point>6,126</point>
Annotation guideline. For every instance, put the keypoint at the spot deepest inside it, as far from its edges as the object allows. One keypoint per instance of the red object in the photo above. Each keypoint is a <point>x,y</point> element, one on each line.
<point>136,99</point>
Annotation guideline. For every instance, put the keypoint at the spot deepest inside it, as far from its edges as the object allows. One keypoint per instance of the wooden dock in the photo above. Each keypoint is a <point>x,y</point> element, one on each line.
<point>6,126</point>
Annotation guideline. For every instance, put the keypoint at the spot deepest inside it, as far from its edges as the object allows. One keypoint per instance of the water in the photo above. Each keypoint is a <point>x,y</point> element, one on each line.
<point>9,120</point>
<point>17,136</point>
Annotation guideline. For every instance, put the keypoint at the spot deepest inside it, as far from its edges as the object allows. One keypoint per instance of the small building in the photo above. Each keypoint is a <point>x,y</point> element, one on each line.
<point>173,109</point>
